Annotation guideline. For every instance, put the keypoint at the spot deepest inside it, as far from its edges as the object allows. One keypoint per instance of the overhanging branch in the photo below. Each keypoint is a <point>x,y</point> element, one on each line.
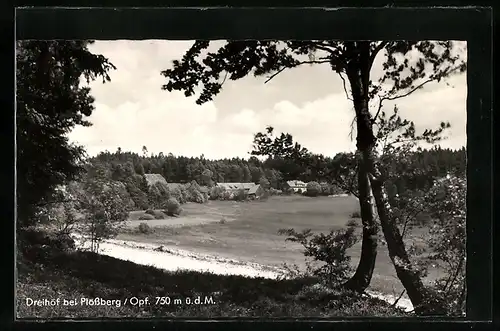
<point>344,84</point>
<point>377,49</point>
<point>323,47</point>
<point>382,99</point>
<point>296,65</point>
<point>433,78</point>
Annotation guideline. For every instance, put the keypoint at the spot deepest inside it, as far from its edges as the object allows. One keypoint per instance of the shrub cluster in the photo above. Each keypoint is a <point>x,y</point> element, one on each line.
<point>326,254</point>
<point>172,207</point>
<point>144,228</point>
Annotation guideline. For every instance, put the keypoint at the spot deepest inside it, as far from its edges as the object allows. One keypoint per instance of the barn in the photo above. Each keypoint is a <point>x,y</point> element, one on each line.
<point>154,178</point>
<point>236,186</point>
<point>255,192</point>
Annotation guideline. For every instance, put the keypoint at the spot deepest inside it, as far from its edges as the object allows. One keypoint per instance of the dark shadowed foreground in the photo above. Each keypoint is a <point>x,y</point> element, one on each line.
<point>77,275</point>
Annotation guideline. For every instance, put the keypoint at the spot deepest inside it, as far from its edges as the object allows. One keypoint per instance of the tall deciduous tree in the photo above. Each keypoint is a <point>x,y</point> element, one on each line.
<point>50,102</point>
<point>407,65</point>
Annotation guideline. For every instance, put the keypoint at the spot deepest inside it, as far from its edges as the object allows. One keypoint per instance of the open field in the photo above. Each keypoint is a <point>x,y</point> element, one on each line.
<point>249,233</point>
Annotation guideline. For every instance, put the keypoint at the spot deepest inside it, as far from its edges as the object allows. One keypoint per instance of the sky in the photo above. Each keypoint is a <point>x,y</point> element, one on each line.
<point>308,102</point>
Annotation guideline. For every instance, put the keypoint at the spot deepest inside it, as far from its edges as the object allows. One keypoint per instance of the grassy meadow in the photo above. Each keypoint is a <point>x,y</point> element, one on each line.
<point>248,231</point>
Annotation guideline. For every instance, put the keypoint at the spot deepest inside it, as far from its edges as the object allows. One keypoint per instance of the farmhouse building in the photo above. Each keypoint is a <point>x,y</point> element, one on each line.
<point>255,192</point>
<point>296,185</point>
<point>174,186</point>
<point>154,178</point>
<point>236,186</point>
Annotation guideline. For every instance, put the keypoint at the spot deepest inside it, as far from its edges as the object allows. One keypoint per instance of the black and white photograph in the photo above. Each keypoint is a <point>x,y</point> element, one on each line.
<point>241,178</point>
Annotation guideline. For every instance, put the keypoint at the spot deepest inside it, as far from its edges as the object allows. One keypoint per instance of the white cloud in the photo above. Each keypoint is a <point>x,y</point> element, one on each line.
<point>308,102</point>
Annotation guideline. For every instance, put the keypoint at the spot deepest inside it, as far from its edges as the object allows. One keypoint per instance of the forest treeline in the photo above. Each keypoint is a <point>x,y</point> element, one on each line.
<point>419,171</point>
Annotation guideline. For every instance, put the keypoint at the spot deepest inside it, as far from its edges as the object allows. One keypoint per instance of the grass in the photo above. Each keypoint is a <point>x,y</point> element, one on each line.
<point>77,275</point>
<point>249,232</point>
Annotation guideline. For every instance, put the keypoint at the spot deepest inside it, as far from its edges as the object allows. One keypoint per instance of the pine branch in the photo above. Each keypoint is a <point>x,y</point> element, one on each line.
<point>344,84</point>
<point>296,65</point>
<point>382,99</point>
<point>376,51</point>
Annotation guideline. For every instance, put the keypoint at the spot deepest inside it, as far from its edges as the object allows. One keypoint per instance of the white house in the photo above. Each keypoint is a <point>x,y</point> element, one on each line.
<point>296,185</point>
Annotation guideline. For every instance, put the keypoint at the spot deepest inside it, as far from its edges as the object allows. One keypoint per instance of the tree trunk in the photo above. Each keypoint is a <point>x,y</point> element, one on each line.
<point>363,275</point>
<point>358,72</point>
<point>364,272</point>
<point>409,277</point>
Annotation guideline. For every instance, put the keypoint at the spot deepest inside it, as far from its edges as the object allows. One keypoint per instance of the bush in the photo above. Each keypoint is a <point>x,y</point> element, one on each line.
<point>330,261</point>
<point>313,189</point>
<point>241,195</point>
<point>422,219</point>
<point>144,228</point>
<point>146,217</point>
<point>216,193</point>
<point>173,207</point>
<point>227,195</point>
<point>325,189</point>
<point>193,193</point>
<point>352,223</point>
<point>273,191</point>
<point>160,215</point>
<point>33,242</point>
<point>356,214</point>
<point>446,204</point>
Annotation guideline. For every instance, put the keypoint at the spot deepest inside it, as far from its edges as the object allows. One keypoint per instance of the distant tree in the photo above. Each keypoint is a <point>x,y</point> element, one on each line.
<point>313,189</point>
<point>247,176</point>
<point>139,169</point>
<point>50,102</point>
<point>138,189</point>
<point>256,173</point>
<point>206,178</point>
<point>264,183</point>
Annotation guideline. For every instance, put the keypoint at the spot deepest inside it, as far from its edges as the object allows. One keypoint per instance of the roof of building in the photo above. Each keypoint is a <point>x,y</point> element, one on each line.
<point>173,186</point>
<point>253,189</point>
<point>154,178</point>
<point>236,186</point>
<point>296,183</point>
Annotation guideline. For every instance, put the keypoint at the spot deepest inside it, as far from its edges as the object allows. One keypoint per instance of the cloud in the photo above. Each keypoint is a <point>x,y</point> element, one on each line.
<point>309,102</point>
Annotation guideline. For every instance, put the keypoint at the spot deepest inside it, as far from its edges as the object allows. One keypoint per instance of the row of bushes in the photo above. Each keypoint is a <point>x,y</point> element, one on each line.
<point>221,194</point>
<point>171,207</point>
<point>314,189</point>
<point>145,196</point>
<point>160,193</point>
